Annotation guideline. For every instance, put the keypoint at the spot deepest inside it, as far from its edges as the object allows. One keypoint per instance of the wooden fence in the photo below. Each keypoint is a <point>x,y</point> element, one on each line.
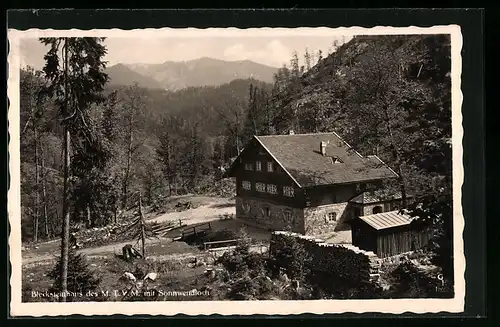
<point>162,229</point>
<point>231,245</point>
<point>209,245</point>
<point>197,229</point>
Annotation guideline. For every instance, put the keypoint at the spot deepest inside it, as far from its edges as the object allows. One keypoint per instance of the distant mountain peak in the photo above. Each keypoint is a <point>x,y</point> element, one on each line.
<point>176,75</point>
<point>206,59</point>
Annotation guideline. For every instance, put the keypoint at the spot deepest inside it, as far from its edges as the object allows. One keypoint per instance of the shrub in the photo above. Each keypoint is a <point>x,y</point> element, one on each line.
<point>411,282</point>
<point>291,256</point>
<point>80,278</point>
<point>233,263</point>
<point>243,288</point>
<point>243,246</point>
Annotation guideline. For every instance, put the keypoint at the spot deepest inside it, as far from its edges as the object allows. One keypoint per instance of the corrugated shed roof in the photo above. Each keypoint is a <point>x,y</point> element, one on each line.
<point>375,196</point>
<point>386,220</point>
<point>301,156</point>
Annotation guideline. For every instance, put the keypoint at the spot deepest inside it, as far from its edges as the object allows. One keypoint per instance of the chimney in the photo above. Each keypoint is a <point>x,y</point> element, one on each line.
<point>322,148</point>
<point>291,132</point>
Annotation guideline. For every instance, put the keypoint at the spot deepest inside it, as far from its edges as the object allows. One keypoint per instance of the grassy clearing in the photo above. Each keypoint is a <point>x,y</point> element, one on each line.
<point>177,274</point>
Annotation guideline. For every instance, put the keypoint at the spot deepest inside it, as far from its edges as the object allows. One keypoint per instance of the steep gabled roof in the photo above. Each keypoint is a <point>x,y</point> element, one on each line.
<point>301,158</point>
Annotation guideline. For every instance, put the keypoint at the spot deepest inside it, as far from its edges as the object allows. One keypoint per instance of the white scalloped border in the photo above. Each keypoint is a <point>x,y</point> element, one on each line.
<point>195,308</point>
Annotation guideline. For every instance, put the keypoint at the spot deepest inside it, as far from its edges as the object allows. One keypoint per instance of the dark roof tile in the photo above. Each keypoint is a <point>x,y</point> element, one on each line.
<point>300,155</point>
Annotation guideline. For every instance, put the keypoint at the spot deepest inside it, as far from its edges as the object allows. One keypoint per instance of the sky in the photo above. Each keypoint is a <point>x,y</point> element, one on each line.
<point>268,49</point>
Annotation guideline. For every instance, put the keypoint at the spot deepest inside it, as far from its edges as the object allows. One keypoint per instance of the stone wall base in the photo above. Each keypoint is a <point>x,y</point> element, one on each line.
<point>267,215</point>
<point>317,220</point>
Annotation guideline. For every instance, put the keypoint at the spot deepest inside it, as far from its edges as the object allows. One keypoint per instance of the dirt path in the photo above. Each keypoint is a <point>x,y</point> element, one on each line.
<point>198,215</point>
<point>210,212</point>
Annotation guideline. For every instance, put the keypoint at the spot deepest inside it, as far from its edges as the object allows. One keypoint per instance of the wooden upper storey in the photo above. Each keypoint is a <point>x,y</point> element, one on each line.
<point>292,170</point>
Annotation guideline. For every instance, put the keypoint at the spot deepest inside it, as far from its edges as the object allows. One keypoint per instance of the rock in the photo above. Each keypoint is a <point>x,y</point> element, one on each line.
<point>151,276</point>
<point>128,277</point>
<point>209,272</point>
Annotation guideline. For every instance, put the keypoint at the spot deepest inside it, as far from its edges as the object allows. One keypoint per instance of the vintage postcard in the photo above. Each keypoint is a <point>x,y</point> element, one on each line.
<point>231,171</point>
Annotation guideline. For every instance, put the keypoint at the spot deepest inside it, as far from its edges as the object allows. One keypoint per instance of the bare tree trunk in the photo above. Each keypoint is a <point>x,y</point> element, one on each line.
<point>44,199</point>
<point>129,161</point>
<point>66,213</point>
<point>37,183</point>
<point>66,216</point>
<point>238,150</point>
<point>89,220</point>
<point>143,236</point>
<point>169,170</point>
<point>194,157</point>
<point>397,156</point>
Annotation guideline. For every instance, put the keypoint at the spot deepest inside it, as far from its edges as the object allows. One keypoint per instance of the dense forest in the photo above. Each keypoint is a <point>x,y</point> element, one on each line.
<point>386,95</point>
<point>157,142</point>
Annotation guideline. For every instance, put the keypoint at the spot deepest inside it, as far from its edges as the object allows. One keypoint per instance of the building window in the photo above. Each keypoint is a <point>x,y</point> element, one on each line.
<point>332,216</point>
<point>377,209</point>
<point>287,216</point>
<point>260,187</point>
<point>288,191</point>
<point>246,207</point>
<point>267,212</point>
<point>271,188</point>
<point>270,167</point>
<point>248,166</point>
<point>258,166</point>
<point>246,185</point>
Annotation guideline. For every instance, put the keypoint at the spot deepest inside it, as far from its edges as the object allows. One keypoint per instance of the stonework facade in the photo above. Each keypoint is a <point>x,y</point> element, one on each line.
<point>308,221</point>
<point>373,208</point>
<point>316,220</point>
<point>326,218</point>
<point>269,215</point>
<point>283,182</point>
<point>345,260</point>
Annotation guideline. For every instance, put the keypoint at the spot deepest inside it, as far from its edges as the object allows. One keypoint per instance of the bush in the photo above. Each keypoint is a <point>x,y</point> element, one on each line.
<point>80,278</point>
<point>242,289</point>
<point>243,246</point>
<point>410,282</point>
<point>290,255</point>
<point>233,263</point>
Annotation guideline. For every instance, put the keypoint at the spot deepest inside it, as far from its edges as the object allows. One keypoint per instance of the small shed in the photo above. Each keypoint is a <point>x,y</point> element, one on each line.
<point>389,233</point>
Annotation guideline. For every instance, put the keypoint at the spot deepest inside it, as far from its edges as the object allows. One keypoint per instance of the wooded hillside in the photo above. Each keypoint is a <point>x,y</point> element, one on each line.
<point>386,95</point>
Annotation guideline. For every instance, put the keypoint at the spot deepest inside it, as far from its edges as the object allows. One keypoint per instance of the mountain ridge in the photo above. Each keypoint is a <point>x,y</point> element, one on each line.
<point>177,75</point>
